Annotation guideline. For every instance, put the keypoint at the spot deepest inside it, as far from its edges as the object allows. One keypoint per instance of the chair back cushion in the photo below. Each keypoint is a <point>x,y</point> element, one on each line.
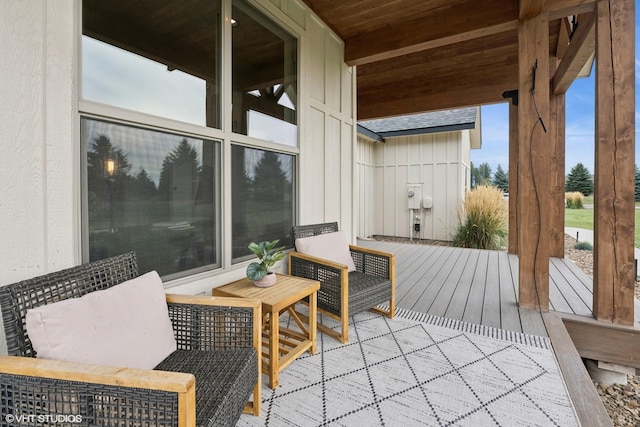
<point>330,246</point>
<point>127,325</point>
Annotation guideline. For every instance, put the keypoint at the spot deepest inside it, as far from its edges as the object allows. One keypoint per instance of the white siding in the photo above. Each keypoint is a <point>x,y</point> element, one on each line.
<point>435,162</point>
<point>327,143</point>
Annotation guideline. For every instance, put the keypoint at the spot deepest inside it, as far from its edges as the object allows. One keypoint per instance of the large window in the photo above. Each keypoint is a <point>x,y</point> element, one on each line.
<point>152,192</point>
<point>160,58</point>
<point>262,198</point>
<point>155,141</point>
<point>264,77</point>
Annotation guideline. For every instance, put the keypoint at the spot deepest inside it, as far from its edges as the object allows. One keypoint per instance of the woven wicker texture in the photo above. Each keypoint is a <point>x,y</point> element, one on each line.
<point>215,344</point>
<point>83,404</point>
<point>369,285</point>
<point>73,282</point>
<point>224,381</point>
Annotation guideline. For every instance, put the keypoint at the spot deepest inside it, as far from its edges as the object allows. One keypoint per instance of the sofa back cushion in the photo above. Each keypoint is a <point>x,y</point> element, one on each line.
<point>127,325</point>
<point>330,246</point>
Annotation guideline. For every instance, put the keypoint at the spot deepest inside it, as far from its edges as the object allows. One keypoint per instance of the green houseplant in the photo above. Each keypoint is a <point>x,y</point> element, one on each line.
<point>268,254</point>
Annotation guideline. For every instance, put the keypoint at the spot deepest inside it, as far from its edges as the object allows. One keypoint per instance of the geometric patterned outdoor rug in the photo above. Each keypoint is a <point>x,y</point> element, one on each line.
<point>420,370</point>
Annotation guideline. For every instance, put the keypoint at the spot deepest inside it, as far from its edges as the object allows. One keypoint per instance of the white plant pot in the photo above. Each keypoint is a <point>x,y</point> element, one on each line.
<point>266,281</point>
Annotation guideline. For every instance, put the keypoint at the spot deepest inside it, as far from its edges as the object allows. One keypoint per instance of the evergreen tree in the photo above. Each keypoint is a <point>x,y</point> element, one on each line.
<point>579,179</point>
<point>637,184</point>
<point>480,175</point>
<point>501,180</point>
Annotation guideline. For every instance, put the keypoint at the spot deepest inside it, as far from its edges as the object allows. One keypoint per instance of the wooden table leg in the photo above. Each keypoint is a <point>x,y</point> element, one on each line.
<point>274,356</point>
<point>313,319</point>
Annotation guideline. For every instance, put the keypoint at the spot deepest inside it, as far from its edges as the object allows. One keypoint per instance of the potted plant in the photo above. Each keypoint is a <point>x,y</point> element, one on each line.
<point>268,254</point>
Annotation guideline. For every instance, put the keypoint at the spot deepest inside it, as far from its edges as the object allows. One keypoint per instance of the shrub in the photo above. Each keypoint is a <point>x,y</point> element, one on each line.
<point>575,200</point>
<point>482,219</point>
<point>583,246</point>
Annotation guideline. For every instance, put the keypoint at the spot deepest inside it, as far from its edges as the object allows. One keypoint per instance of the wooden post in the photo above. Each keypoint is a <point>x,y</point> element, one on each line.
<point>613,278</point>
<point>513,177</point>
<point>534,162</point>
<point>557,145</point>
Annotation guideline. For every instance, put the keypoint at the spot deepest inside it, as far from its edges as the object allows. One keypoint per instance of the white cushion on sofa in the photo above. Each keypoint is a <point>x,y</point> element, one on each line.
<point>127,325</point>
<point>330,246</point>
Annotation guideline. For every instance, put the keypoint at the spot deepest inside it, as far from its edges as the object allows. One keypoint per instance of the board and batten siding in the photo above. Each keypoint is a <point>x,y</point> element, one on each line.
<point>437,162</point>
<point>40,200</point>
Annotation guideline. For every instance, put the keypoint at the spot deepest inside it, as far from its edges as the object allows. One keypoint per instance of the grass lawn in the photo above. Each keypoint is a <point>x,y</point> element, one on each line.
<point>583,218</point>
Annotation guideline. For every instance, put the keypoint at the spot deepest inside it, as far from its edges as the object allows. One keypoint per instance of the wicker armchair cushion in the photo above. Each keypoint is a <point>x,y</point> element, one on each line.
<point>126,325</point>
<point>330,246</point>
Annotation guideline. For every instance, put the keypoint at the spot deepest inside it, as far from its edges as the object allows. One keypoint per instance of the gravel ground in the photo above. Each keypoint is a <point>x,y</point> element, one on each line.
<point>621,401</point>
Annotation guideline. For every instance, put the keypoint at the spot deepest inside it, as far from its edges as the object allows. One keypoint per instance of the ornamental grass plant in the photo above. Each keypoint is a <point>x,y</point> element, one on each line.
<point>483,220</point>
<point>574,199</point>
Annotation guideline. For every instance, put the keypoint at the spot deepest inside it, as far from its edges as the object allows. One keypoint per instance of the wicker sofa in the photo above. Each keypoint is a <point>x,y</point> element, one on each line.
<point>207,381</point>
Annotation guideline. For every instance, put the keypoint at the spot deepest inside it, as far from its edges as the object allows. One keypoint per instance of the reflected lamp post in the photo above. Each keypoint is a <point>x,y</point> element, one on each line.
<point>110,167</point>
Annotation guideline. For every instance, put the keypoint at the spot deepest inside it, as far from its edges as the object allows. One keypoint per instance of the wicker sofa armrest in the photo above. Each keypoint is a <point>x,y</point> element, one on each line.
<point>93,394</point>
<point>373,262</point>
<point>330,274</point>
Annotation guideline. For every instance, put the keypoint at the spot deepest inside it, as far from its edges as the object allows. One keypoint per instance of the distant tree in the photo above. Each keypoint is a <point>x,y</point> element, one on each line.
<point>480,175</point>
<point>637,184</point>
<point>501,180</point>
<point>579,179</point>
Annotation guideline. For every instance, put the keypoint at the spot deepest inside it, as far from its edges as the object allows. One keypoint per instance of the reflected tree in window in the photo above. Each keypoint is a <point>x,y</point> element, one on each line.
<point>178,181</point>
<point>262,198</point>
<point>154,193</point>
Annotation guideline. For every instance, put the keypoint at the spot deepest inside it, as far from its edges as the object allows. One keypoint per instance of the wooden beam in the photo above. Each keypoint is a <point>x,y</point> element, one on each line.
<point>534,163</point>
<point>444,26</point>
<point>579,52</point>
<point>557,9</point>
<point>557,147</point>
<point>563,38</point>
<point>586,401</point>
<point>444,93</point>
<point>530,8</point>
<point>614,210</point>
<point>603,341</point>
<point>513,178</point>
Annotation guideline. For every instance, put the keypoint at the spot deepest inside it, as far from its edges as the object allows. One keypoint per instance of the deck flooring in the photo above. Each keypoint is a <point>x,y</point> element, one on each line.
<point>480,286</point>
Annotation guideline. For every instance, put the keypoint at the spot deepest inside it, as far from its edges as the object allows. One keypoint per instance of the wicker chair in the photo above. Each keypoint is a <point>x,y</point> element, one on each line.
<point>207,381</point>
<point>342,293</point>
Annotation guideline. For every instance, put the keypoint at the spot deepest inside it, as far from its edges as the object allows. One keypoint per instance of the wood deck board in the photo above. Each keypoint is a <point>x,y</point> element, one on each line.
<point>439,280</point>
<point>414,285</point>
<point>491,302</point>
<point>447,291</point>
<point>473,309</point>
<point>568,300</point>
<point>458,301</point>
<point>480,286</point>
<point>509,314</point>
<point>579,282</point>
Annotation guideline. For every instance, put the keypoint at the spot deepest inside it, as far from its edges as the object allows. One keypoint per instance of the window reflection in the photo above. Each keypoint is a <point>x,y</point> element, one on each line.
<point>262,198</point>
<point>160,58</point>
<point>152,192</point>
<point>264,77</point>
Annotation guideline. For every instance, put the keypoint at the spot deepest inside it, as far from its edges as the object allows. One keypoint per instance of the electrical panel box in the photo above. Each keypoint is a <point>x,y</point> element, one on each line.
<point>427,203</point>
<point>414,194</point>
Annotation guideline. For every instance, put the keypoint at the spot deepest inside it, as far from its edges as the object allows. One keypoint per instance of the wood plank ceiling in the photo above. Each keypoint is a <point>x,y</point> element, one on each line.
<point>423,55</point>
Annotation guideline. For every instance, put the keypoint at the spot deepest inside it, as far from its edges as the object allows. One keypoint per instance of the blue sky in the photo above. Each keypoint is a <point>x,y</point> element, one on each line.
<point>580,112</point>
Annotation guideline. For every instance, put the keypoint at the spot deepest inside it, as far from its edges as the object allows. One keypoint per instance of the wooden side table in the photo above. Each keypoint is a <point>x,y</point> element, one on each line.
<point>283,345</point>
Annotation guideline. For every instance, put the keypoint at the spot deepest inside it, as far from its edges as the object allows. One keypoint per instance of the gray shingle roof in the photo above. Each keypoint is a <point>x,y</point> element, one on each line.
<point>437,121</point>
